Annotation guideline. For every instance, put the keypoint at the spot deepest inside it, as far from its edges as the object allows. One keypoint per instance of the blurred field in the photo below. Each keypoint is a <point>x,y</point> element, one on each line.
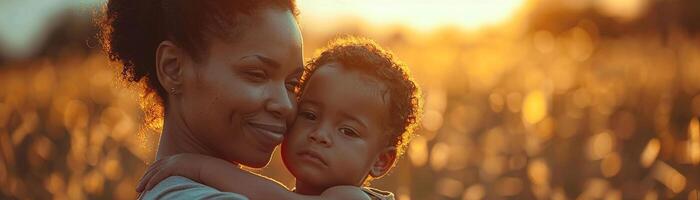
<point>564,100</point>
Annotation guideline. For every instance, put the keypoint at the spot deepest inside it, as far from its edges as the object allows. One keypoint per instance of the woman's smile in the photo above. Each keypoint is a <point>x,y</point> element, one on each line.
<point>268,134</point>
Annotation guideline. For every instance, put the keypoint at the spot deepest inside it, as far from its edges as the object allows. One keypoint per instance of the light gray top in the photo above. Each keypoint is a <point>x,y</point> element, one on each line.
<point>178,187</point>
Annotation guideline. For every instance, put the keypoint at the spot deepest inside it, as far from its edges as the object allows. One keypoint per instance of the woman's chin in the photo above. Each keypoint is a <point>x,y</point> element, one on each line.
<point>257,164</point>
<point>252,159</point>
<point>259,161</point>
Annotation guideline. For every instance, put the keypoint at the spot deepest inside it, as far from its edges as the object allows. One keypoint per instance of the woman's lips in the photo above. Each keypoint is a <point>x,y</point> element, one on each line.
<point>312,156</point>
<point>268,133</point>
<point>271,127</point>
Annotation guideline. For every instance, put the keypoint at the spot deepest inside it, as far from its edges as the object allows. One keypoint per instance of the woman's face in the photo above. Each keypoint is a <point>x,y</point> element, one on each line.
<point>238,100</point>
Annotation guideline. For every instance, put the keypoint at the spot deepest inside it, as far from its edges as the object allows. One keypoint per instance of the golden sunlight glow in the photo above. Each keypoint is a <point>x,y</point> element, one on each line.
<point>517,95</point>
<point>651,151</point>
<point>669,176</point>
<point>600,145</point>
<point>534,107</point>
<point>439,156</point>
<point>622,9</point>
<point>474,192</point>
<point>611,164</point>
<point>418,151</point>
<point>415,13</point>
<point>694,141</point>
<point>538,172</point>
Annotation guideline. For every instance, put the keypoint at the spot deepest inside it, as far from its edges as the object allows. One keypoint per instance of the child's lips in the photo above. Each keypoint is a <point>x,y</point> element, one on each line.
<point>313,157</point>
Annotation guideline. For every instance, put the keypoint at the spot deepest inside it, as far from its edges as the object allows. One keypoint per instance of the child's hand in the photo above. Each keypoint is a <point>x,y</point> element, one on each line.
<point>187,165</point>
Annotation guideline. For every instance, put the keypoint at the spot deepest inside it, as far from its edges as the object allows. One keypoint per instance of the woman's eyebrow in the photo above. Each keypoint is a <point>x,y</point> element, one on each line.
<point>268,61</point>
<point>298,71</point>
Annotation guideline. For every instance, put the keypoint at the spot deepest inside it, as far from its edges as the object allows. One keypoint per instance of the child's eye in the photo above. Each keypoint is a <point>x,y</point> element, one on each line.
<point>307,115</point>
<point>349,132</point>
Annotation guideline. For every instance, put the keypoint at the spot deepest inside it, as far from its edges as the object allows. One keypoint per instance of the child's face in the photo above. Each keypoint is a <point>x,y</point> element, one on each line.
<point>339,134</point>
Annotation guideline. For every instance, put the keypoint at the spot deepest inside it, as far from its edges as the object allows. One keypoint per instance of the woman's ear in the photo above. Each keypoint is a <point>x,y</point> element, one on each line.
<point>169,59</point>
<point>383,163</point>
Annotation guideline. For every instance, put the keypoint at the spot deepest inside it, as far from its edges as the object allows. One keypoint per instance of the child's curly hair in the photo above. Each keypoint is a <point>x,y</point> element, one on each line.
<point>365,55</point>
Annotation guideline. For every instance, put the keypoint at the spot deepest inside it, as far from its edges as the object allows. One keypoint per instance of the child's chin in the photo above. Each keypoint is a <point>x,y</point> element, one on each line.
<point>309,174</point>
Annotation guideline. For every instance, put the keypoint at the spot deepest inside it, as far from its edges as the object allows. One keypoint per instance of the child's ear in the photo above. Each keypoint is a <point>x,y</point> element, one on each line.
<point>384,162</point>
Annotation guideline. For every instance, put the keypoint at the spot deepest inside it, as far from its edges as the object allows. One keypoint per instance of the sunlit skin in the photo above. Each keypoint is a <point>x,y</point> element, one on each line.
<point>340,133</point>
<point>236,102</point>
<point>339,138</point>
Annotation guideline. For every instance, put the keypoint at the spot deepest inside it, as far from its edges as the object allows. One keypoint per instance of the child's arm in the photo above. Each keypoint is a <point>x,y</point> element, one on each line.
<point>225,176</point>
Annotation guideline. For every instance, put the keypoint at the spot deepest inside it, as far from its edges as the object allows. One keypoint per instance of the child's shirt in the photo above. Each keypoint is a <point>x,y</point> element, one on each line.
<point>373,193</point>
<point>376,194</point>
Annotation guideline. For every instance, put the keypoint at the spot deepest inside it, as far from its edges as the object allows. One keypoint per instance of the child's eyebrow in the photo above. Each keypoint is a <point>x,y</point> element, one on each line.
<point>352,117</point>
<point>311,102</point>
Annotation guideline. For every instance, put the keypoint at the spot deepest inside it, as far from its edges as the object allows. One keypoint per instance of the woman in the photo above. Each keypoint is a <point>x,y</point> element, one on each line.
<point>221,73</point>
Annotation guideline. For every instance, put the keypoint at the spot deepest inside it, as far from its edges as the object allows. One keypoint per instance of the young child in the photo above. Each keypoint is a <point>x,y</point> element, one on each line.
<point>357,110</point>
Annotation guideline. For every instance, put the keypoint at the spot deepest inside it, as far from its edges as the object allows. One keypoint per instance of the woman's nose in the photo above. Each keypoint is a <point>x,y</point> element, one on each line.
<point>281,102</point>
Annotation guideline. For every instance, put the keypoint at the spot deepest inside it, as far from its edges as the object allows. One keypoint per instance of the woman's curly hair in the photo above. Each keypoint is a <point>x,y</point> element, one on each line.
<point>131,30</point>
<point>357,53</point>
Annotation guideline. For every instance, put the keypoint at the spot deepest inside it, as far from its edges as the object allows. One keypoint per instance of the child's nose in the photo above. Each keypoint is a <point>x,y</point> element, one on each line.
<point>320,136</point>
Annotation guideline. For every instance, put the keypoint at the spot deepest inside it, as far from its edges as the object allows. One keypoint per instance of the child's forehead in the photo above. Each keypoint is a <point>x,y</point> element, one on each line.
<point>332,80</point>
<point>331,85</point>
<point>338,73</point>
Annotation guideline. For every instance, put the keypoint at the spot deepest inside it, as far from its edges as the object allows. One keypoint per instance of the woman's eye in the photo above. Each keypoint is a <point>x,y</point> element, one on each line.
<point>257,75</point>
<point>307,115</point>
<point>291,85</point>
<point>349,132</point>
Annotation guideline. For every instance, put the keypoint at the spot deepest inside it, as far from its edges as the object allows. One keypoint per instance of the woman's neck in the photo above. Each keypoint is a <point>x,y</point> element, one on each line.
<point>177,138</point>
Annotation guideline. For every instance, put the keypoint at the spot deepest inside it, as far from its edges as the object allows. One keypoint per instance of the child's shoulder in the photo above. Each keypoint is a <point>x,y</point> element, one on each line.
<point>378,194</point>
<point>353,192</point>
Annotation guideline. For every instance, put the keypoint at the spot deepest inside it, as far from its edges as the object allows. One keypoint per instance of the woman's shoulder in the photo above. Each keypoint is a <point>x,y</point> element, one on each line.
<point>178,187</point>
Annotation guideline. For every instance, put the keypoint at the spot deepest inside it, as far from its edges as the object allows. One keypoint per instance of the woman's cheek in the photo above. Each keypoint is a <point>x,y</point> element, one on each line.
<point>247,96</point>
